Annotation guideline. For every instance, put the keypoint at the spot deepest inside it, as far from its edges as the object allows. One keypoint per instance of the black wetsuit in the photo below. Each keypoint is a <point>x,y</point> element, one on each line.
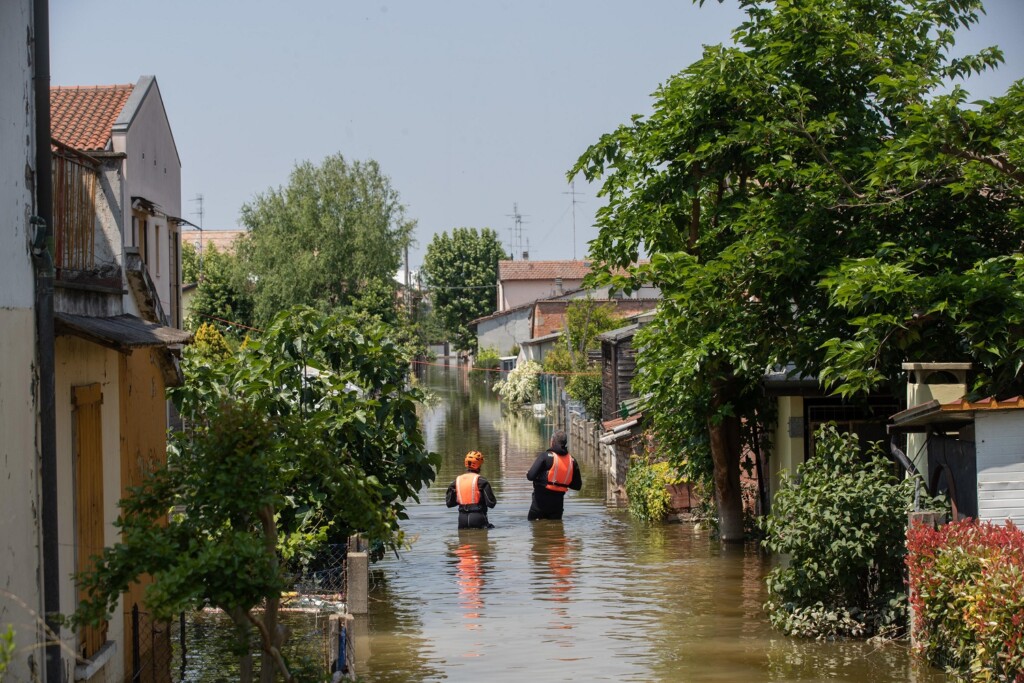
<point>547,504</point>
<point>473,516</point>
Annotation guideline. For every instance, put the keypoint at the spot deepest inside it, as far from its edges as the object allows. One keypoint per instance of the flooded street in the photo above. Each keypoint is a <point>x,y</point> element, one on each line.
<point>594,597</point>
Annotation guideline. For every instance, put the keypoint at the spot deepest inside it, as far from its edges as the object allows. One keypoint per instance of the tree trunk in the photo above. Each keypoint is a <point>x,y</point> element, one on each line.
<point>725,455</point>
<point>272,636</point>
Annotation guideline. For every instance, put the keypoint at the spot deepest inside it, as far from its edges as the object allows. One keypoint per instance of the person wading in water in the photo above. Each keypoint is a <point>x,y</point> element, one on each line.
<point>472,493</point>
<point>553,473</point>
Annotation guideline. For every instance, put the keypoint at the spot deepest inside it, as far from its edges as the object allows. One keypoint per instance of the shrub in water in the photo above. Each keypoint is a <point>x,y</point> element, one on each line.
<point>967,591</point>
<point>647,488</point>
<point>487,359</point>
<point>521,384</point>
<point>842,524</point>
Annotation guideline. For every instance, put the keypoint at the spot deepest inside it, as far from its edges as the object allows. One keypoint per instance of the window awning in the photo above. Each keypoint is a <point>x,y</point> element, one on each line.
<point>120,332</point>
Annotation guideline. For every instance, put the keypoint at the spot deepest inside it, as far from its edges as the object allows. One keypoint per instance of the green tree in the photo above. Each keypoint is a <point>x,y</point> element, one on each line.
<point>764,171</point>
<point>222,291</point>
<point>461,271</point>
<point>307,434</point>
<point>333,231</point>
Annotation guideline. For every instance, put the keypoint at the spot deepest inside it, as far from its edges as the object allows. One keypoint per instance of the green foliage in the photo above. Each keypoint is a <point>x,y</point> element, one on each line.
<point>521,384</point>
<point>461,270</point>
<point>222,292</point>
<point>487,358</point>
<point>842,525</point>
<point>210,343</point>
<point>647,485</point>
<point>585,319</point>
<point>967,588</point>
<point>322,239</point>
<point>558,360</point>
<point>764,175</point>
<point>586,388</point>
<point>6,650</point>
<point>308,434</point>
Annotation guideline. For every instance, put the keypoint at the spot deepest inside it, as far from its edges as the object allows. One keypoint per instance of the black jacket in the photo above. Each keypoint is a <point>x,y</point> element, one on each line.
<point>538,474</point>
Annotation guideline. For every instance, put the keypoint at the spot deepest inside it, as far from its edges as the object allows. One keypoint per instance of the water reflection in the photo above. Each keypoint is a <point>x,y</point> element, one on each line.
<point>595,596</point>
<point>554,555</point>
<point>472,556</point>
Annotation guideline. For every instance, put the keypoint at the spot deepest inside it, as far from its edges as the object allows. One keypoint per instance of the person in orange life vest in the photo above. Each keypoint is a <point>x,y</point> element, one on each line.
<point>553,473</point>
<point>472,493</point>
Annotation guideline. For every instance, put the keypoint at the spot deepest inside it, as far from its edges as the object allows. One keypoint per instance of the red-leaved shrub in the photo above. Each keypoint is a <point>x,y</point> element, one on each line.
<point>967,594</point>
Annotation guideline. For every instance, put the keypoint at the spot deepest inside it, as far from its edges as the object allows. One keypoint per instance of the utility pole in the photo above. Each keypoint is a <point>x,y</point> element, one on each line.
<point>572,193</point>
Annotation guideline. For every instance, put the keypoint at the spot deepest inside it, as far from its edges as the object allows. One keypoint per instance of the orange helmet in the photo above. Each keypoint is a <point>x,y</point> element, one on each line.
<point>474,459</point>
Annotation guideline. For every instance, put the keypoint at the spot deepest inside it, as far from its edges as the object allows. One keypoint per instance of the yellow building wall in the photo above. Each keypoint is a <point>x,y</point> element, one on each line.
<point>143,449</point>
<point>77,363</point>
<point>787,451</point>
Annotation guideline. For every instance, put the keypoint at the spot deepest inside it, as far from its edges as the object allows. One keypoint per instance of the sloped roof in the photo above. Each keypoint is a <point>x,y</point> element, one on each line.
<point>120,332</point>
<point>83,116</point>
<point>954,413</point>
<point>542,270</point>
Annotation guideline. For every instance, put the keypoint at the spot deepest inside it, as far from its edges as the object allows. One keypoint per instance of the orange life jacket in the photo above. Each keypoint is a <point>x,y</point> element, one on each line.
<point>467,492</point>
<point>560,474</point>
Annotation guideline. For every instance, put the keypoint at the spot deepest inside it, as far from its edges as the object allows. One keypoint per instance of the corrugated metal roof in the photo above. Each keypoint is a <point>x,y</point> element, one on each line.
<point>120,332</point>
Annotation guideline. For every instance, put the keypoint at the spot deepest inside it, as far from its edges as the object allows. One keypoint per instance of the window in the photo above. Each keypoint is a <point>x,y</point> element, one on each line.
<point>142,242</point>
<point>156,246</point>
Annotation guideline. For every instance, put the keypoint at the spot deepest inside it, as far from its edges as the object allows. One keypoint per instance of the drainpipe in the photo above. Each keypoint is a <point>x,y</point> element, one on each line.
<point>42,253</point>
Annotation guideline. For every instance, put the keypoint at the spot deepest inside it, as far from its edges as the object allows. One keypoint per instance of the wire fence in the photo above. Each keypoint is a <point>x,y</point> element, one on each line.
<point>324,574</point>
<point>154,644</point>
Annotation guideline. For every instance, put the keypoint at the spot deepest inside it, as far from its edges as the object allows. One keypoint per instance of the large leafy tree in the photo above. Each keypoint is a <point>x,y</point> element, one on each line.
<point>223,294</point>
<point>461,270</point>
<point>766,170</point>
<point>333,231</point>
<point>307,434</point>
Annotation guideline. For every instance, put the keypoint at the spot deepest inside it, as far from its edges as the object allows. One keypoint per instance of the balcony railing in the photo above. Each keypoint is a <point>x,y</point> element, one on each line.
<point>74,214</point>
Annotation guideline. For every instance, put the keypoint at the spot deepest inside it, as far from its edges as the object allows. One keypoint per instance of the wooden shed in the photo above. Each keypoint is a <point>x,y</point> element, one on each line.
<point>618,367</point>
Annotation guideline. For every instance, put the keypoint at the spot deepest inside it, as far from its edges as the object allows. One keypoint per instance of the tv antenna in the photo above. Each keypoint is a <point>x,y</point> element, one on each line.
<point>572,192</point>
<point>516,231</point>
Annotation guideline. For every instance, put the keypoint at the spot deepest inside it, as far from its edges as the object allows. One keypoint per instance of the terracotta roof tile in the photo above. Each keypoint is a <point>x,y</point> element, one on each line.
<point>990,403</point>
<point>83,116</point>
<point>542,270</point>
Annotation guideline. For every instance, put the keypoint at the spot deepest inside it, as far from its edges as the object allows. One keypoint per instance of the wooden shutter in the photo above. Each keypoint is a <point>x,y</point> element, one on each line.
<point>88,437</point>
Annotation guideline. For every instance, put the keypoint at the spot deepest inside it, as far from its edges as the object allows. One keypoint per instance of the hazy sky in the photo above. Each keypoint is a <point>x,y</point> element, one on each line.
<point>469,106</point>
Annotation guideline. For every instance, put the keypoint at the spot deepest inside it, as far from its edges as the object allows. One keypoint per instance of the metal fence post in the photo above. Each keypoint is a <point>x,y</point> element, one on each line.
<point>136,658</point>
<point>182,640</point>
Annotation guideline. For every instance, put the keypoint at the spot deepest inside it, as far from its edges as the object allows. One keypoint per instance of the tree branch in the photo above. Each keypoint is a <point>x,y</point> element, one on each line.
<point>997,161</point>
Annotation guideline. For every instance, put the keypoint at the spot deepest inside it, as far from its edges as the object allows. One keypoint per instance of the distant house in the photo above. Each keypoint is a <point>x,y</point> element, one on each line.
<point>221,240</point>
<point>117,198</point>
<point>535,322</point>
<point>523,282</point>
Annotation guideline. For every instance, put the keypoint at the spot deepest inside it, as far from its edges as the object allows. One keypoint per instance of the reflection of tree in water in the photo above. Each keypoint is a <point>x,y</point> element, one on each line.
<point>522,431</point>
<point>395,637</point>
<point>212,646</point>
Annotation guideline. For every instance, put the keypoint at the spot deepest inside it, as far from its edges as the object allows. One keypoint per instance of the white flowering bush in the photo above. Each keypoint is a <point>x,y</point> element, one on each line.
<point>521,384</point>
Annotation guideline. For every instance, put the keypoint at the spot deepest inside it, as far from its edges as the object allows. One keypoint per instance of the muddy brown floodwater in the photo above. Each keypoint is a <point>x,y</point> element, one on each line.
<point>595,597</point>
